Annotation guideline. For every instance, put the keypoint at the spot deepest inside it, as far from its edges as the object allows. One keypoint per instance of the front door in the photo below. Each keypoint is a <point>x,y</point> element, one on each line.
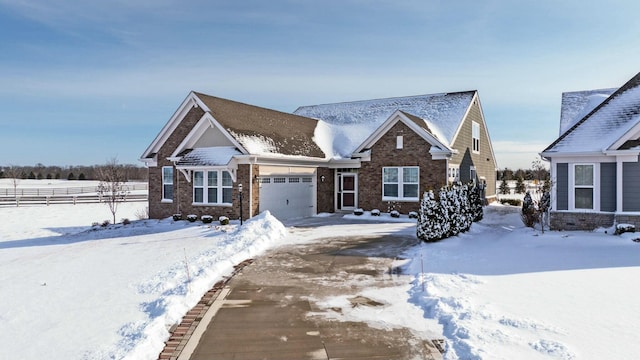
<point>347,191</point>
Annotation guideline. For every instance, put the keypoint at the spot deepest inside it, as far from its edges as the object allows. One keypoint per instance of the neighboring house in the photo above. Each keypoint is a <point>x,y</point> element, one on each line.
<point>594,163</point>
<point>295,165</point>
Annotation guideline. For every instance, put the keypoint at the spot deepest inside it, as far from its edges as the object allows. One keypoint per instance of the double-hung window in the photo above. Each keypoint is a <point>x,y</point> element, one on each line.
<point>475,135</point>
<point>167,183</point>
<point>212,187</point>
<point>583,184</point>
<point>400,183</point>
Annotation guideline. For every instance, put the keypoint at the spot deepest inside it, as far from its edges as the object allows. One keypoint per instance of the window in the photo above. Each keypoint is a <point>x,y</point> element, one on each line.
<point>475,135</point>
<point>167,183</point>
<point>400,183</point>
<point>217,189</point>
<point>473,175</point>
<point>399,142</point>
<point>583,186</point>
<point>454,173</point>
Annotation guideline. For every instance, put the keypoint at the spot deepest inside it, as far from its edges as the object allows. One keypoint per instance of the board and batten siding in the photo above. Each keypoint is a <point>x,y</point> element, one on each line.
<point>562,186</point>
<point>631,186</point>
<point>608,187</point>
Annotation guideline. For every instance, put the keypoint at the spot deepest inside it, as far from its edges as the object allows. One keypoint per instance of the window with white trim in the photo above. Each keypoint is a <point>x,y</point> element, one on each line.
<point>400,183</point>
<point>212,187</point>
<point>167,183</point>
<point>454,173</point>
<point>475,135</point>
<point>399,142</point>
<point>583,185</point>
<point>473,175</point>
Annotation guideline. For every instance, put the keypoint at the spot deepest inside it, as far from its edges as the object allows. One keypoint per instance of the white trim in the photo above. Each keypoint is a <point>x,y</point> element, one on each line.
<point>595,187</point>
<point>390,122</point>
<point>400,184</point>
<point>173,185</point>
<point>632,133</point>
<point>219,186</point>
<point>474,126</point>
<point>399,142</point>
<point>189,102</point>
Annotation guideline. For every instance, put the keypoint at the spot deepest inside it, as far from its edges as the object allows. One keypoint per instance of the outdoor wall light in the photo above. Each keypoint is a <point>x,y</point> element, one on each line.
<point>322,177</point>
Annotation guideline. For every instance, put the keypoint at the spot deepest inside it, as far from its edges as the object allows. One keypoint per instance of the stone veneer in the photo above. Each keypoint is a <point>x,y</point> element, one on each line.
<point>563,220</point>
<point>325,191</point>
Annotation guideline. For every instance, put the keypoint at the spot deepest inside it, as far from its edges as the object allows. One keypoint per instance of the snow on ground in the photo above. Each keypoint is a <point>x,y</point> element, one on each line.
<point>499,291</point>
<point>109,293</point>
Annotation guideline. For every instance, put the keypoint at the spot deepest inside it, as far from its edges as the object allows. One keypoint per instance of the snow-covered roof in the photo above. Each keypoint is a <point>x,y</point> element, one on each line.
<point>577,104</point>
<point>264,131</point>
<point>209,156</point>
<point>350,123</point>
<point>606,124</point>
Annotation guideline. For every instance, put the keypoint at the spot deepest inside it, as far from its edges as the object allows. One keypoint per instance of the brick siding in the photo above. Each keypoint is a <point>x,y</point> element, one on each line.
<point>415,152</point>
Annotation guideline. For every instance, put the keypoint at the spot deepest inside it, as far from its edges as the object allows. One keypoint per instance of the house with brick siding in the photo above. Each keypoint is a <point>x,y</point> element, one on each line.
<point>594,163</point>
<point>372,154</point>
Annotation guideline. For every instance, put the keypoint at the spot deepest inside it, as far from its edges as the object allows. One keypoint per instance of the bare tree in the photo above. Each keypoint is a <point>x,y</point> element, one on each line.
<point>13,172</point>
<point>112,187</point>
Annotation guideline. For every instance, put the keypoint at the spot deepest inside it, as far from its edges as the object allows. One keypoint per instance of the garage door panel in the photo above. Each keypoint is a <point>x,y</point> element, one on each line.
<point>287,197</point>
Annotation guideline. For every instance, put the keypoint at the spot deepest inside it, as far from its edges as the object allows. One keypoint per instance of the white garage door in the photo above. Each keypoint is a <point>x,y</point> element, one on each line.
<point>287,197</point>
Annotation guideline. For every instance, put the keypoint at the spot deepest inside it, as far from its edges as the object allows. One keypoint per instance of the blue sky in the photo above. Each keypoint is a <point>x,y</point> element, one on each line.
<point>83,81</point>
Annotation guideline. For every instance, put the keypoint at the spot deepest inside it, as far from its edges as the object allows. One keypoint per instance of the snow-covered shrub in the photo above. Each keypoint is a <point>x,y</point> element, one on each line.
<point>126,221</point>
<point>430,218</point>
<point>504,188</point>
<point>529,213</point>
<point>177,217</point>
<point>358,211</point>
<point>623,228</point>
<point>375,212</point>
<point>207,219</point>
<point>512,202</point>
<point>223,220</point>
<point>413,215</point>
<point>476,202</point>
<point>450,213</point>
<point>105,223</point>
<point>192,217</point>
<point>394,214</point>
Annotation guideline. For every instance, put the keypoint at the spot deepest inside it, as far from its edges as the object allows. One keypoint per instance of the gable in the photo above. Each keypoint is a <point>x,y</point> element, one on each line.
<point>414,125</point>
<point>611,123</point>
<point>212,137</point>
<point>442,114</point>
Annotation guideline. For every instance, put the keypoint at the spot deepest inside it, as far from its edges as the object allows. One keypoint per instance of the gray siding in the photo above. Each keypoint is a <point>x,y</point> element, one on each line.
<point>631,186</point>
<point>562,186</point>
<point>608,187</point>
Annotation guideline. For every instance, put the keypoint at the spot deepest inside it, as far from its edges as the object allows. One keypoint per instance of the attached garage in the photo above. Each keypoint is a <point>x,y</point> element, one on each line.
<point>288,195</point>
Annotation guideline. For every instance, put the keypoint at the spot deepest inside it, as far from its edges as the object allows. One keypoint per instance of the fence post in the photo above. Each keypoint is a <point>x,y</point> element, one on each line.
<point>47,197</point>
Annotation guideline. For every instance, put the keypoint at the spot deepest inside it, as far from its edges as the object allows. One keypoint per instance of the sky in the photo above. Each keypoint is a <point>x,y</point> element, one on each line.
<point>83,82</point>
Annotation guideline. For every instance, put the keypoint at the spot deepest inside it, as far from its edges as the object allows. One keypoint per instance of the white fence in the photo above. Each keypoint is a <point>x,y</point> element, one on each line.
<point>65,195</point>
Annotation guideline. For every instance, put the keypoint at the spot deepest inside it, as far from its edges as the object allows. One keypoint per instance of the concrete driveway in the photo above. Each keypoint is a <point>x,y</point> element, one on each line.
<point>269,309</point>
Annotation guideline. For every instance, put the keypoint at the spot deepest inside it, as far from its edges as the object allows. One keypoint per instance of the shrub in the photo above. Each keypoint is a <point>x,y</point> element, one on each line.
<point>177,217</point>
<point>126,221</point>
<point>223,220</point>
<point>449,213</point>
<point>623,228</point>
<point>105,223</point>
<point>207,219</point>
<point>142,214</point>
<point>358,211</point>
<point>394,214</point>
<point>375,212</point>
<point>192,217</point>
<point>95,224</point>
<point>512,202</point>
<point>413,215</point>
<point>529,214</point>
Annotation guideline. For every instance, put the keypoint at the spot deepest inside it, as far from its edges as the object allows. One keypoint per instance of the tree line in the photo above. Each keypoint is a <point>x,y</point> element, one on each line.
<point>80,172</point>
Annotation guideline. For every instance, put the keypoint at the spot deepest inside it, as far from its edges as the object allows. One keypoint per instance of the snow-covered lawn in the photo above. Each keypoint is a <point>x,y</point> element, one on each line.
<point>502,291</point>
<point>499,291</point>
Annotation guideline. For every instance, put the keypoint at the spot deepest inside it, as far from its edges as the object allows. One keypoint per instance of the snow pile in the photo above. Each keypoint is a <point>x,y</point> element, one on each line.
<point>256,144</point>
<point>96,293</point>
